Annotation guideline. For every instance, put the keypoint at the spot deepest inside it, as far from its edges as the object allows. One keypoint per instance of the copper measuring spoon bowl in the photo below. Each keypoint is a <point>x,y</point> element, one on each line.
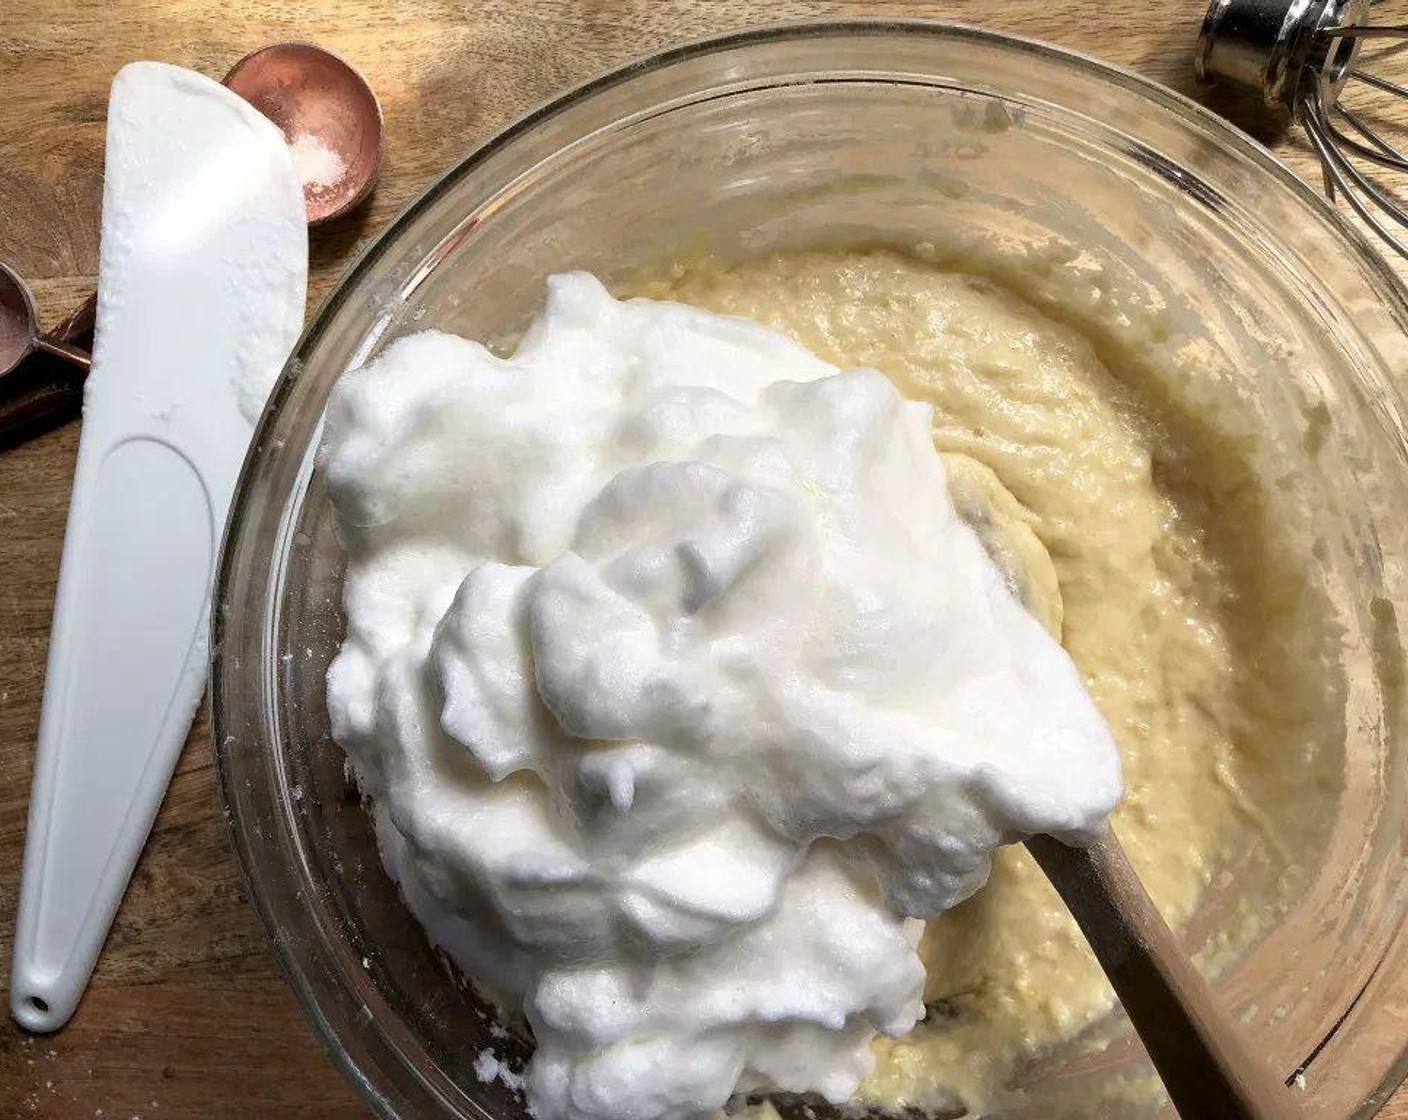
<point>41,375</point>
<point>327,113</point>
<point>332,122</point>
<point>20,335</point>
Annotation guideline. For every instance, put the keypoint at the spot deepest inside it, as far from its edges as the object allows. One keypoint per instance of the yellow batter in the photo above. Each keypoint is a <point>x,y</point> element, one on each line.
<point>1142,547</point>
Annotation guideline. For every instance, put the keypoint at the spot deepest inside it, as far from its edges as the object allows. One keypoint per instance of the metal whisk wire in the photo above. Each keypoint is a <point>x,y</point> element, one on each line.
<point>1303,55</point>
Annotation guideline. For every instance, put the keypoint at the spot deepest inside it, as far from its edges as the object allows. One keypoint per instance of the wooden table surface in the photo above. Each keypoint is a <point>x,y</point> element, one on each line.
<point>188,1015</point>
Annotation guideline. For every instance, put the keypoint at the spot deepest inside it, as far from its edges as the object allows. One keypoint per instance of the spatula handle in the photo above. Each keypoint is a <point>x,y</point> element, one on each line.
<point>203,270</point>
<point>126,669</point>
<point>1207,1066</point>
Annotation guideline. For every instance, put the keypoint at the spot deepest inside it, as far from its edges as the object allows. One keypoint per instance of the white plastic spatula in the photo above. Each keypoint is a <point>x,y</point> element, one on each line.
<point>201,285</point>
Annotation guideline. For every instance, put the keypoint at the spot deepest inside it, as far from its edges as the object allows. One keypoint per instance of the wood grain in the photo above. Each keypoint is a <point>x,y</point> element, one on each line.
<point>188,1015</point>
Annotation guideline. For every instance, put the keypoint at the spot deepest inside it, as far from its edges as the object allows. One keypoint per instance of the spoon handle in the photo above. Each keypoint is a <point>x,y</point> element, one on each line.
<point>46,388</point>
<point>1207,1067</point>
<point>75,356</point>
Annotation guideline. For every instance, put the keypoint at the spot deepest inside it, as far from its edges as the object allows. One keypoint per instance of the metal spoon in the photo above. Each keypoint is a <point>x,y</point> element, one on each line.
<point>19,328</point>
<point>41,375</point>
<point>332,122</point>
<point>327,113</point>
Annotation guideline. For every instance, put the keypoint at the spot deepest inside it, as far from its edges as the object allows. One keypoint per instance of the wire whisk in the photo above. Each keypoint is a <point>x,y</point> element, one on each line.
<point>1302,55</point>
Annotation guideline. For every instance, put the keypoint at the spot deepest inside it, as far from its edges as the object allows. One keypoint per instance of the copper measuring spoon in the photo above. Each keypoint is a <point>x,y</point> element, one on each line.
<point>19,328</point>
<point>41,375</point>
<point>327,113</point>
<point>332,122</point>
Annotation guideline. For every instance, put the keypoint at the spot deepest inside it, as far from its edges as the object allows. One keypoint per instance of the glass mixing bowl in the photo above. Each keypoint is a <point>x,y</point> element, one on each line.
<point>865,132</point>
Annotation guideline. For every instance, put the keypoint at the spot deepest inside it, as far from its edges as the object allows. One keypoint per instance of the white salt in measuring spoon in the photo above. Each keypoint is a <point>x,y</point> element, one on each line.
<point>202,276</point>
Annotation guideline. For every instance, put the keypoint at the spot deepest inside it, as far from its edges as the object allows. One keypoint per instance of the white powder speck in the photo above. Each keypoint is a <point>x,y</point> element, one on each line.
<point>317,165</point>
<point>1298,1081</point>
<point>489,1069</point>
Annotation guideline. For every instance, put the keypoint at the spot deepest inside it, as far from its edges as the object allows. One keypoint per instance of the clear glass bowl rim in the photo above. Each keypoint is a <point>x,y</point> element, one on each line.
<point>1383,283</point>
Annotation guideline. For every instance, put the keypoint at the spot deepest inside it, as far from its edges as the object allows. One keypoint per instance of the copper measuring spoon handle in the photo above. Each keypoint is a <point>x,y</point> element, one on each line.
<point>1207,1066</point>
<point>81,359</point>
<point>46,388</point>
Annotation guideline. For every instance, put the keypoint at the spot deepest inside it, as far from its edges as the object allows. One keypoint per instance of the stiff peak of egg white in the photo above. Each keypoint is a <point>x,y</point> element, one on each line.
<point>680,690</point>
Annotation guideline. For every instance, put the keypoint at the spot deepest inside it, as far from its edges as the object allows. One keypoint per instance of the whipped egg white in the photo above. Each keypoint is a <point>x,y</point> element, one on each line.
<point>680,690</point>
